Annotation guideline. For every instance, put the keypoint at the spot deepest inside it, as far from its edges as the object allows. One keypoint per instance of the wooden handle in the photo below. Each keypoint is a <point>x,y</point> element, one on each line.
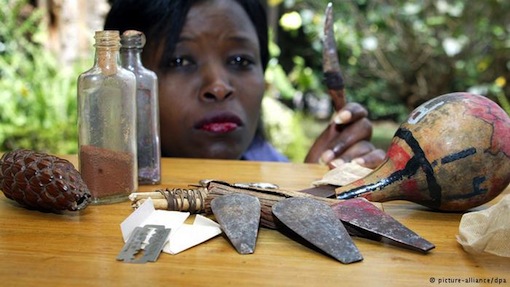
<point>330,65</point>
<point>176,199</point>
<point>199,200</point>
<point>267,198</point>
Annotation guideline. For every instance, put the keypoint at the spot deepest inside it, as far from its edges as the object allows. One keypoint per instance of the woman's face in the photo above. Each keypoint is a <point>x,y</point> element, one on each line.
<point>210,92</point>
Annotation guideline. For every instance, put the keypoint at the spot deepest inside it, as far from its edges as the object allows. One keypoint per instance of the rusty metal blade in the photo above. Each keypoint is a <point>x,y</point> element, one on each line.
<point>364,219</point>
<point>331,66</point>
<point>316,222</point>
<point>239,216</point>
<point>327,191</point>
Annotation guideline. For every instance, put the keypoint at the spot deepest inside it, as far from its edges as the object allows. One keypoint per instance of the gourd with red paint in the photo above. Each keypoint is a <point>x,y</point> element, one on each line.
<point>451,154</point>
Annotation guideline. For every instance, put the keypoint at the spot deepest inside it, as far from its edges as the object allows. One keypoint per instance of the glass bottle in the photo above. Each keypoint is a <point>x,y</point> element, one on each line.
<point>148,140</point>
<point>107,124</point>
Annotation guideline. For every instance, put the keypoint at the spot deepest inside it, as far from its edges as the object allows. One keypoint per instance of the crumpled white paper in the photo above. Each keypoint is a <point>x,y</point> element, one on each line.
<point>182,236</point>
<point>487,230</point>
<point>343,174</point>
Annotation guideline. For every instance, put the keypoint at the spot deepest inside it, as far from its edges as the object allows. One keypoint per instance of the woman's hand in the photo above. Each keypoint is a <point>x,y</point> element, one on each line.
<point>345,139</point>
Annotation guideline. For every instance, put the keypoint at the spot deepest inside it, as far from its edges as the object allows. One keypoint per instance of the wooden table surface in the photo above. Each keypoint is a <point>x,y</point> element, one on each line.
<point>44,249</point>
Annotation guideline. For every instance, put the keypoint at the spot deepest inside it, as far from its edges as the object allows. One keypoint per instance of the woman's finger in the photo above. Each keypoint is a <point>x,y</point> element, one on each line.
<point>350,113</point>
<point>372,159</point>
<point>356,151</point>
<point>350,135</point>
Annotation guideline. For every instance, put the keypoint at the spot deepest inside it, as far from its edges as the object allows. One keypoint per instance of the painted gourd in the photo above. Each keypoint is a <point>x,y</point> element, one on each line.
<point>451,154</point>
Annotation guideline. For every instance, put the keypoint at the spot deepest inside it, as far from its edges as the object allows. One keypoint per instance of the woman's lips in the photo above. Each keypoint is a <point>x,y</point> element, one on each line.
<point>222,123</point>
<point>223,127</point>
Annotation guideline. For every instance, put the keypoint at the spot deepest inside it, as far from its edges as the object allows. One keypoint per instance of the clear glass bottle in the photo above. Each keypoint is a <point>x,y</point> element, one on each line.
<point>148,140</point>
<point>107,124</point>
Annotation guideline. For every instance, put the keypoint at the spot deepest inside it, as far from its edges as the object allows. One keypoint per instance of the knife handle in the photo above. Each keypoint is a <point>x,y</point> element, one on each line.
<point>330,65</point>
<point>198,200</point>
<point>174,199</point>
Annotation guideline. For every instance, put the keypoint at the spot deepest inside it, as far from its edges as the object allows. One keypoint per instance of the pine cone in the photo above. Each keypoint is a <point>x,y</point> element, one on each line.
<point>43,182</point>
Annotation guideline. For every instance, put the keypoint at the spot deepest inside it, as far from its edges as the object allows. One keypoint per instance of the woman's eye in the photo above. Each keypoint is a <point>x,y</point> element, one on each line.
<point>180,62</point>
<point>241,62</point>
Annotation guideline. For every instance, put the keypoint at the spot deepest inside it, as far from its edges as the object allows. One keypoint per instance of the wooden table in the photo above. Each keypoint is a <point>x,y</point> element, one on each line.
<point>42,249</point>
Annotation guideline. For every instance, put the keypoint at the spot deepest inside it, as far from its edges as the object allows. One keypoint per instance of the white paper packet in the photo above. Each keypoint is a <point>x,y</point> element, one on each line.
<point>488,230</point>
<point>343,174</point>
<point>182,236</point>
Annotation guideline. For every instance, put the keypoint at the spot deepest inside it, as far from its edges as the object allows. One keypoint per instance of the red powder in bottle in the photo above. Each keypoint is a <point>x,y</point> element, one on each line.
<point>110,175</point>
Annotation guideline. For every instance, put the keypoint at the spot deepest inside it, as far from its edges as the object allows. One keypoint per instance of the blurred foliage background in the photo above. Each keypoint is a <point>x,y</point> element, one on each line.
<point>395,55</point>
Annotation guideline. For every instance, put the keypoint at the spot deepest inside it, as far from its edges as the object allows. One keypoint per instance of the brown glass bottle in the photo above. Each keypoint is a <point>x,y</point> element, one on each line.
<point>147,117</point>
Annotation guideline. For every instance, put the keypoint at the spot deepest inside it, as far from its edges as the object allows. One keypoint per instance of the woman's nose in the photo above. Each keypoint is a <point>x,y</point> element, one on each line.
<point>217,85</point>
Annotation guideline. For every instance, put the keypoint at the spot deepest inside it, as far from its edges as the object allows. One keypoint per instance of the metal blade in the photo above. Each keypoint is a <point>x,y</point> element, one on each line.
<point>316,222</point>
<point>331,66</point>
<point>239,216</point>
<point>144,244</point>
<point>327,191</point>
<point>364,219</point>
